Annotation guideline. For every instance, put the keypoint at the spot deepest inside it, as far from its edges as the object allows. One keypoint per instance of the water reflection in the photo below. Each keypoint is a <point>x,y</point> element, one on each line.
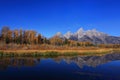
<point>106,67</point>
<point>93,61</point>
<point>81,61</point>
<point>17,62</point>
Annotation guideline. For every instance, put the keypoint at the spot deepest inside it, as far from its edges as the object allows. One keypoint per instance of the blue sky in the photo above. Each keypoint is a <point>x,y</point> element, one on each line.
<point>50,16</point>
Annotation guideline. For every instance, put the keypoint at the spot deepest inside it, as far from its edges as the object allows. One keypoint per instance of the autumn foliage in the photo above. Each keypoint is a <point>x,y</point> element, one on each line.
<point>30,39</point>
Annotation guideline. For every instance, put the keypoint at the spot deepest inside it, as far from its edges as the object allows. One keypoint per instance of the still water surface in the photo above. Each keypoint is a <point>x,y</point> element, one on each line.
<point>105,67</point>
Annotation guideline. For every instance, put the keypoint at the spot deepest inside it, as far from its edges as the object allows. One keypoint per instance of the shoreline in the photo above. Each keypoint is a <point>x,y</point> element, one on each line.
<point>56,52</point>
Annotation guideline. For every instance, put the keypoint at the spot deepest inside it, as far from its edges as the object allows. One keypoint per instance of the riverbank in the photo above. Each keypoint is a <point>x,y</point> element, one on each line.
<point>57,52</point>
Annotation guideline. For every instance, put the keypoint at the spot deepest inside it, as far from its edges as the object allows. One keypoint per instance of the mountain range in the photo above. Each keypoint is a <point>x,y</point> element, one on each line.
<point>94,36</point>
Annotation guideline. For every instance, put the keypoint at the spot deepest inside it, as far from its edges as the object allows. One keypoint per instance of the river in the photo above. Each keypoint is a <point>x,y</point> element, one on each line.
<point>106,67</point>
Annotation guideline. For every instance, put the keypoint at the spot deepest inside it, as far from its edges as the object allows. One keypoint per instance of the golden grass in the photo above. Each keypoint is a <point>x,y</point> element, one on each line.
<point>61,51</point>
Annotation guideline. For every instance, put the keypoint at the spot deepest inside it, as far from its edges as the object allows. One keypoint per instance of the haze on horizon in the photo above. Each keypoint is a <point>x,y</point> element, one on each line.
<point>51,16</point>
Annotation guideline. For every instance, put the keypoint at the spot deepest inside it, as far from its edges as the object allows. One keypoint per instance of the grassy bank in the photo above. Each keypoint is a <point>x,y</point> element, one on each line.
<point>54,53</point>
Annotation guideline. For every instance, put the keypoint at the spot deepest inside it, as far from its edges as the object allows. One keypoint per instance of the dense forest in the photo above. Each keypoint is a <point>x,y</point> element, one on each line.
<point>33,40</point>
<point>19,36</point>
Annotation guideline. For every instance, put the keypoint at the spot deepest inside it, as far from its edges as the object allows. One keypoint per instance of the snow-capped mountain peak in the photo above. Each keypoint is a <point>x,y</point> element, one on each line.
<point>93,36</point>
<point>59,34</point>
<point>68,35</point>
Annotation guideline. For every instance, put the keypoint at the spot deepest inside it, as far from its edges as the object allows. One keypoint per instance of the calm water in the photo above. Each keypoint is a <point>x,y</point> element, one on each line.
<point>105,67</point>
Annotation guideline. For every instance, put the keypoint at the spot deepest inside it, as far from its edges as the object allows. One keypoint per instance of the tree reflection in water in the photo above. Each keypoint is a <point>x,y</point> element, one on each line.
<point>81,61</point>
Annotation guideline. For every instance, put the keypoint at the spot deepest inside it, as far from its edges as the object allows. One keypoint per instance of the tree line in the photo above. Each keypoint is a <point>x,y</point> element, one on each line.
<point>31,37</point>
<point>16,36</point>
<point>20,36</point>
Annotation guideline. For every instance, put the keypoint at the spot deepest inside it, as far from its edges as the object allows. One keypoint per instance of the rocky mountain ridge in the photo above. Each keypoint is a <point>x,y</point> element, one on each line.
<point>93,36</point>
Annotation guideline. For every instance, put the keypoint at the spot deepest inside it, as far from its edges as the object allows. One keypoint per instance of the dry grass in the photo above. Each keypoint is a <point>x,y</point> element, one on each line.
<point>59,51</point>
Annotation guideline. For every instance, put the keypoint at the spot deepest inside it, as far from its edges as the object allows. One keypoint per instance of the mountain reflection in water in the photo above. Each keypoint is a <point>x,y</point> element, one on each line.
<point>106,67</point>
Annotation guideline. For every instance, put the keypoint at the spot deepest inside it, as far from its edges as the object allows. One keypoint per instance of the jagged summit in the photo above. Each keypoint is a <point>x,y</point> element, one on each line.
<point>68,35</point>
<point>93,36</point>
<point>81,33</point>
<point>80,30</point>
